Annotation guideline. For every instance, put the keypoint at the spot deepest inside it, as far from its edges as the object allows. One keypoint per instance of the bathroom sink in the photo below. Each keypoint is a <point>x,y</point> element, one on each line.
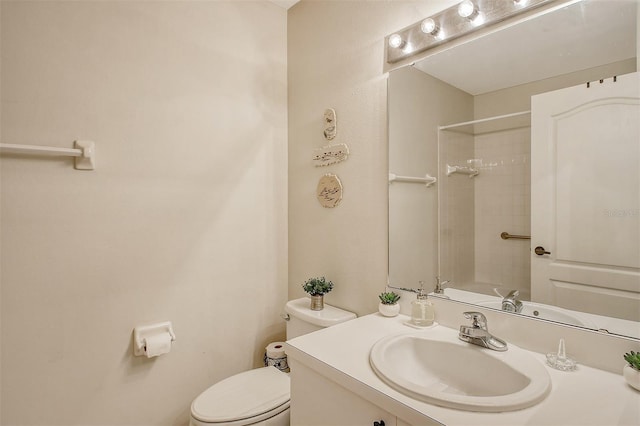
<point>436,367</point>
<point>538,310</point>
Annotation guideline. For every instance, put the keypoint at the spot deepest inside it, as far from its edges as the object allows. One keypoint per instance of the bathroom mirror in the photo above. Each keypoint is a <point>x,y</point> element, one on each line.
<point>463,115</point>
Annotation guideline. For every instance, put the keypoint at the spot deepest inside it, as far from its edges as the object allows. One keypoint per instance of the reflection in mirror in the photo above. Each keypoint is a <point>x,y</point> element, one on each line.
<point>486,116</point>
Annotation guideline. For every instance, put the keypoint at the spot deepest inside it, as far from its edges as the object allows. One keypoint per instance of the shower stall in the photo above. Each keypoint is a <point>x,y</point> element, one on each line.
<point>484,204</point>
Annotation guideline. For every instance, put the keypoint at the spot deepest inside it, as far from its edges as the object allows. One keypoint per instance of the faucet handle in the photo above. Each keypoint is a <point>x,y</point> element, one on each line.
<point>478,320</point>
<point>440,285</point>
<point>512,294</point>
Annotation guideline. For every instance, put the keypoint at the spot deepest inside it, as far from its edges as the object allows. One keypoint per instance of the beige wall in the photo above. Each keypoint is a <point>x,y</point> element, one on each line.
<point>335,57</point>
<point>518,98</point>
<point>184,219</point>
<point>418,104</point>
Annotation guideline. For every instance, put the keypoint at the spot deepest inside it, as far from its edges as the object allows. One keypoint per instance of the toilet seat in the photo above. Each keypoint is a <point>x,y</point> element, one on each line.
<point>245,398</point>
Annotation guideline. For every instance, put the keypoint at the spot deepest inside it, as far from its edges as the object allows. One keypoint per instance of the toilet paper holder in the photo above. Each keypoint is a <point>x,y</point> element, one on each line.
<point>141,333</point>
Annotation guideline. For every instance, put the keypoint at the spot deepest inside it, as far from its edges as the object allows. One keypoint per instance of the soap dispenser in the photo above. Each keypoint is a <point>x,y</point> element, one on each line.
<point>422,310</point>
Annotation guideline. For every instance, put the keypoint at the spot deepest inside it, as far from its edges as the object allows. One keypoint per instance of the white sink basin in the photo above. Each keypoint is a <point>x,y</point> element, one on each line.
<point>547,312</point>
<point>436,367</point>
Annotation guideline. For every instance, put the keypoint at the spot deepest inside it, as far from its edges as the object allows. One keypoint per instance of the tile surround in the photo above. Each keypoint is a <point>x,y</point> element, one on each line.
<point>475,211</point>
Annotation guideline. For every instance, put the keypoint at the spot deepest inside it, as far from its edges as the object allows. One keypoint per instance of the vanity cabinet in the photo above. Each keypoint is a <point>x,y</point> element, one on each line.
<point>319,401</point>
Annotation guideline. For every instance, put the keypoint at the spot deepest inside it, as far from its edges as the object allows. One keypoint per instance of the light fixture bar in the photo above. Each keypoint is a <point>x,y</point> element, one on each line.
<point>451,25</point>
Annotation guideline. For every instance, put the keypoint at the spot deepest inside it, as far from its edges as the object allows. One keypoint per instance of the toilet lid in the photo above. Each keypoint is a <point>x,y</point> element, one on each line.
<point>245,395</point>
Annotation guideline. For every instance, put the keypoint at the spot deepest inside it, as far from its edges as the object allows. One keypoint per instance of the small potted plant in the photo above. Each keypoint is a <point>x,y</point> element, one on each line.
<point>317,288</point>
<point>631,371</point>
<point>388,305</point>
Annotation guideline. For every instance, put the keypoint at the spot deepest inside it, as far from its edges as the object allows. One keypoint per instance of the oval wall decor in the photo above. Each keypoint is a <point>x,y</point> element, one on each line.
<point>329,191</point>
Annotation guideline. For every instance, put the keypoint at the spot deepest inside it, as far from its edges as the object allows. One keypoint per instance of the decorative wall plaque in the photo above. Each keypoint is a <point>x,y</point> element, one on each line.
<point>329,191</point>
<point>330,128</point>
<point>330,154</point>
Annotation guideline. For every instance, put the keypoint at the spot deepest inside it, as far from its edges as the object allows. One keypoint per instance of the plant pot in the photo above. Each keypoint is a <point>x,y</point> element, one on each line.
<point>632,376</point>
<point>389,310</point>
<point>317,302</point>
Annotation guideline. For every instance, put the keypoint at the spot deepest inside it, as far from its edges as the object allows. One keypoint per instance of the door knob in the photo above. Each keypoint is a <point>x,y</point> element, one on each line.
<point>540,251</point>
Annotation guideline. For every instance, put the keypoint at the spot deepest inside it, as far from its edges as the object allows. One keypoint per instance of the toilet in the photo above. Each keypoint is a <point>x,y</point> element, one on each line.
<point>261,396</point>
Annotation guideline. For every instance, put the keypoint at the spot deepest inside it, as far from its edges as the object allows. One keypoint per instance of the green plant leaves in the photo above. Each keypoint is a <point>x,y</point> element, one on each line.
<point>317,286</point>
<point>633,358</point>
<point>389,298</point>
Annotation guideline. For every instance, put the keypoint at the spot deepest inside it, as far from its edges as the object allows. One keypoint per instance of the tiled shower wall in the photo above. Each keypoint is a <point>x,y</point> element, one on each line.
<point>475,211</point>
<point>503,204</point>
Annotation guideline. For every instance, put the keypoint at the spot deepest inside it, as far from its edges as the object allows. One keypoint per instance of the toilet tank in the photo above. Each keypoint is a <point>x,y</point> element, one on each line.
<point>303,320</point>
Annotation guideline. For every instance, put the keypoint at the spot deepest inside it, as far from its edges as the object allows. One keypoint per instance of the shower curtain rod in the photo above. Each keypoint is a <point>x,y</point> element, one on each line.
<point>484,120</point>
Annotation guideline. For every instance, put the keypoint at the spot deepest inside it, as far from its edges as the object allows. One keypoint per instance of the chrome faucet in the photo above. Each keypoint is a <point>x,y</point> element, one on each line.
<point>510,303</point>
<point>440,286</point>
<point>478,333</point>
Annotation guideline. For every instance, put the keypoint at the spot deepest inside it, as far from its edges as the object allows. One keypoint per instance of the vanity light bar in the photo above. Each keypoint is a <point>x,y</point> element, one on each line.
<point>451,23</point>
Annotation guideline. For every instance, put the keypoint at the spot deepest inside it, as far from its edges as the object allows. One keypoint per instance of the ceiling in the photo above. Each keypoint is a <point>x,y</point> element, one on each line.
<point>577,37</point>
<point>286,4</point>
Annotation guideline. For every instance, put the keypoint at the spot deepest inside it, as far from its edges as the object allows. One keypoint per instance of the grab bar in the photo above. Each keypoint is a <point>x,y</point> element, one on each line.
<point>507,236</point>
<point>84,152</point>
<point>428,180</point>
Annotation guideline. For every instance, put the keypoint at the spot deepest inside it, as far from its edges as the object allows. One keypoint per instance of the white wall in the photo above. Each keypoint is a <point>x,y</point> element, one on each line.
<point>335,57</point>
<point>184,219</point>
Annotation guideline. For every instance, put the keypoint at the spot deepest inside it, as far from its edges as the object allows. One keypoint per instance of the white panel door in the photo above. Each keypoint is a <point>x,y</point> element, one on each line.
<point>585,197</point>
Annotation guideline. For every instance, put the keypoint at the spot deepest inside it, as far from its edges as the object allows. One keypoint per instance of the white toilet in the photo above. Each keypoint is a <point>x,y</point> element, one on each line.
<point>261,396</point>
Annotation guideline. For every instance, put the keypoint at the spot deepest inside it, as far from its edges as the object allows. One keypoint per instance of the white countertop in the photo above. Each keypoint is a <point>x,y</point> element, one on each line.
<point>583,397</point>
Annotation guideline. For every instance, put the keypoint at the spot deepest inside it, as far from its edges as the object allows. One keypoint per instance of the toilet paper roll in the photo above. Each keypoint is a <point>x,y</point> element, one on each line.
<point>157,345</point>
<point>275,350</point>
<point>275,356</point>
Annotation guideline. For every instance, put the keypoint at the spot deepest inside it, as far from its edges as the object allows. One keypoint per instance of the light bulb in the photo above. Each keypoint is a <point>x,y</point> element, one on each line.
<point>467,9</point>
<point>428,26</point>
<point>396,41</point>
